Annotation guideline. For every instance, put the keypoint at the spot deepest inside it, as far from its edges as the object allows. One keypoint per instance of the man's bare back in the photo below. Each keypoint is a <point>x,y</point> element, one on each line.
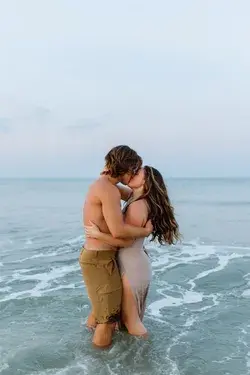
<point>92,212</point>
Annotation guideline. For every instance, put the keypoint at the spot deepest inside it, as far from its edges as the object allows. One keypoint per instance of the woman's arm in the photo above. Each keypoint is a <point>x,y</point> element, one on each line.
<point>125,192</point>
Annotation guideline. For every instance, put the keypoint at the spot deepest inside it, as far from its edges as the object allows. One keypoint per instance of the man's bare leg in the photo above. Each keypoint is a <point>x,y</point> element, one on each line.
<point>91,322</point>
<point>103,335</point>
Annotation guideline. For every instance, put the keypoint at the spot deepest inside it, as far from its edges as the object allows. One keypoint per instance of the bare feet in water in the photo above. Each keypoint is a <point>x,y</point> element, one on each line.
<point>137,329</point>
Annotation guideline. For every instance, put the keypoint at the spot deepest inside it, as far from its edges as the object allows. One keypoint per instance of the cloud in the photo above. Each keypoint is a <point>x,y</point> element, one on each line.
<point>83,125</point>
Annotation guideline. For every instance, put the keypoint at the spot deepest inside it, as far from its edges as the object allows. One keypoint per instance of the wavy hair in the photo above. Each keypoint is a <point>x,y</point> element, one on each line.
<point>161,212</point>
<point>121,160</point>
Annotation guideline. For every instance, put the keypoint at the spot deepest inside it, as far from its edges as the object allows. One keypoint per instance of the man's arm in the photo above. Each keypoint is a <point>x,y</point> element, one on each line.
<point>111,208</point>
<point>117,242</point>
<point>125,192</point>
<point>135,215</point>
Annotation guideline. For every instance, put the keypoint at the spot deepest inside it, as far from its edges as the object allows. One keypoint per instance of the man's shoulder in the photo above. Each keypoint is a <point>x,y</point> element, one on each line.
<point>102,186</point>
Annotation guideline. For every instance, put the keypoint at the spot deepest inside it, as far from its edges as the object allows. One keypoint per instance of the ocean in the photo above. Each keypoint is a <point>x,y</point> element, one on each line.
<point>198,309</point>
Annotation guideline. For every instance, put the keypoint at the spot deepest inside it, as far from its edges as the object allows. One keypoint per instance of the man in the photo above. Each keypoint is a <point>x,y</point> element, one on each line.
<point>100,272</point>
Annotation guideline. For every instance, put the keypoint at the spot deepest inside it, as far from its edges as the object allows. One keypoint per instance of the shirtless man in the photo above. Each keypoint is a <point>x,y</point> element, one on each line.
<point>97,259</point>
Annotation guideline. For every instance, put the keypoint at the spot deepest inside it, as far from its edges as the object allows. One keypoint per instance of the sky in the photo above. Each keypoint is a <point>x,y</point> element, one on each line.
<point>169,78</point>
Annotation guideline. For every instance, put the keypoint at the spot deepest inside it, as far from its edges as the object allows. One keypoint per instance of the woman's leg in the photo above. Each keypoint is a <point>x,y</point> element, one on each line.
<point>130,316</point>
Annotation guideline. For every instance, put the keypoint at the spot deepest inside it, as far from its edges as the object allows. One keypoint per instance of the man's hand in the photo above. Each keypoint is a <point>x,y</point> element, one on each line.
<point>149,227</point>
<point>92,231</point>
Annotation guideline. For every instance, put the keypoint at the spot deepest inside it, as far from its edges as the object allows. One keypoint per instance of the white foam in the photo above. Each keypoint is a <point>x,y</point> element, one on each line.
<point>35,292</point>
<point>222,263</point>
<point>43,255</point>
<point>3,367</point>
<point>25,270</point>
<point>44,279</point>
<point>75,240</point>
<point>215,302</point>
<point>92,365</point>
<point>190,322</point>
<point>5,289</point>
<point>109,370</point>
<point>1,264</point>
<point>248,360</point>
<point>3,359</point>
<point>157,319</point>
<point>2,278</point>
<point>191,255</point>
<point>161,260</point>
<point>189,297</point>
<point>53,274</point>
<point>69,286</point>
<point>199,249</point>
<point>223,360</point>
<point>65,371</point>
<point>246,293</point>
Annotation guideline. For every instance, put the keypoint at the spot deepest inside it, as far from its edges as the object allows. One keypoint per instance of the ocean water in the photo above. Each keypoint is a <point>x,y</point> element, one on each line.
<point>198,310</point>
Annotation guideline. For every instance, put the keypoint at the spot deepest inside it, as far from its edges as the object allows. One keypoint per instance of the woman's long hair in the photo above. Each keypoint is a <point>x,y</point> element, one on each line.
<point>161,212</point>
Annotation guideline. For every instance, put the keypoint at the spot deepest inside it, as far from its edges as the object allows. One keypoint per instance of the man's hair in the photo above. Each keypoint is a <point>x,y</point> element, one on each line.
<point>121,160</point>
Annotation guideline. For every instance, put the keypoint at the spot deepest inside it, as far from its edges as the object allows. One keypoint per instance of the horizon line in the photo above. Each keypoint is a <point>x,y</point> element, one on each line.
<point>92,178</point>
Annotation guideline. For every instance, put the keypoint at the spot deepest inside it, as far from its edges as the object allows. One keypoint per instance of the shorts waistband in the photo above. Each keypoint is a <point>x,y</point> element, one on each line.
<point>99,254</point>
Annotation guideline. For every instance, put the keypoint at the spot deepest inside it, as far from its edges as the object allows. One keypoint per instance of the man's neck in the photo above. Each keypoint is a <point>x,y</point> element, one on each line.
<point>114,181</point>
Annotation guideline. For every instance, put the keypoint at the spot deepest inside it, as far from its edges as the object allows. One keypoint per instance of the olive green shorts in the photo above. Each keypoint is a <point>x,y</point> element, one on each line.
<point>103,283</point>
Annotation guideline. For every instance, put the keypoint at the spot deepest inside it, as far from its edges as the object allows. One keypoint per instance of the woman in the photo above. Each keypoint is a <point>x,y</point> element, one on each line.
<point>147,199</point>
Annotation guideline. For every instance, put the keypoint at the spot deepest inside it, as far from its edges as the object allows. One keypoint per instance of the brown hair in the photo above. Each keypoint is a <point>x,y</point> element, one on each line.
<point>121,160</point>
<point>161,212</point>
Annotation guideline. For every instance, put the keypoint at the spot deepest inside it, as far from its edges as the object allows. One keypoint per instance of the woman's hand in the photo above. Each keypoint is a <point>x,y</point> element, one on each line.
<point>92,231</point>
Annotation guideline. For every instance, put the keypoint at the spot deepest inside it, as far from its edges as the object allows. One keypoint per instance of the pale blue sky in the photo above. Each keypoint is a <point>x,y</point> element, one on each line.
<point>169,78</point>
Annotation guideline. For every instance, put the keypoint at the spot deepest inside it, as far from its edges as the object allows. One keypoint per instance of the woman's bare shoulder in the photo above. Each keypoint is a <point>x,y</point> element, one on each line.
<point>138,209</point>
<point>140,203</point>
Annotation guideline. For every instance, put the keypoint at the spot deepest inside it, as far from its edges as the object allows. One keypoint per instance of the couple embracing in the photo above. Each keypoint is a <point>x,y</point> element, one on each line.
<point>115,265</point>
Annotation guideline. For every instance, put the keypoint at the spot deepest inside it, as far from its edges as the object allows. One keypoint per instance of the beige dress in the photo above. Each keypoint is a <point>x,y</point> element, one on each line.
<point>135,264</point>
